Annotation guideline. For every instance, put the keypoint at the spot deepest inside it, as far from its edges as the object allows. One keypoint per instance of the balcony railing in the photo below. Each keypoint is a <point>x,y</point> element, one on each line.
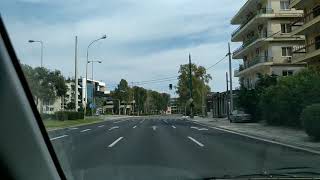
<point>308,48</point>
<point>255,61</point>
<point>259,12</point>
<point>249,41</point>
<point>307,17</point>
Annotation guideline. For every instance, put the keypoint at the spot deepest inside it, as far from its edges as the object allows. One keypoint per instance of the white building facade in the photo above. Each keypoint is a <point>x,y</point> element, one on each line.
<point>267,43</point>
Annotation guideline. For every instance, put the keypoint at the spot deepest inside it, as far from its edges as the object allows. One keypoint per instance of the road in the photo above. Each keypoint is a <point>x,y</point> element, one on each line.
<point>167,148</point>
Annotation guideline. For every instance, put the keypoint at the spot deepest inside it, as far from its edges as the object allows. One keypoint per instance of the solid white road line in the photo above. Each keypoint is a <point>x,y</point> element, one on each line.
<point>85,130</point>
<point>74,128</point>
<point>134,127</point>
<point>260,139</point>
<point>115,127</point>
<point>58,137</point>
<point>173,127</point>
<point>115,142</point>
<point>195,141</point>
<point>100,126</point>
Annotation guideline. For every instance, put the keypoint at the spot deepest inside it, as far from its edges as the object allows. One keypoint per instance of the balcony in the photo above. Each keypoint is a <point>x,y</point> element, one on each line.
<point>259,60</point>
<point>308,22</point>
<point>249,42</point>
<point>300,4</point>
<point>307,53</point>
<point>259,12</point>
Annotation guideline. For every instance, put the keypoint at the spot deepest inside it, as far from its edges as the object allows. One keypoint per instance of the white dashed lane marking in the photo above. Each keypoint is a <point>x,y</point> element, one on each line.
<point>115,127</point>
<point>59,137</point>
<point>85,130</point>
<point>195,141</point>
<point>115,142</point>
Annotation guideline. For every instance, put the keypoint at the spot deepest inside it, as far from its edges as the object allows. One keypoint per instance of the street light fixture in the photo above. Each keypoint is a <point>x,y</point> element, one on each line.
<point>41,43</point>
<point>86,99</point>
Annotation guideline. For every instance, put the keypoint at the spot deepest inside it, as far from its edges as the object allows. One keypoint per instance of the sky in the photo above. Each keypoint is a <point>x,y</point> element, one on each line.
<point>146,39</point>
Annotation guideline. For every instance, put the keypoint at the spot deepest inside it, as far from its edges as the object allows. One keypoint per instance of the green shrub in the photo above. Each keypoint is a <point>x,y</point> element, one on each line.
<point>61,115</point>
<point>310,118</point>
<point>47,116</point>
<point>69,115</point>
<point>283,103</point>
<point>248,99</point>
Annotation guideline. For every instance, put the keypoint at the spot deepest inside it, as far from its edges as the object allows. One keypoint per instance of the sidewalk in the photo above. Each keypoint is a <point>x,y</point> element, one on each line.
<point>288,136</point>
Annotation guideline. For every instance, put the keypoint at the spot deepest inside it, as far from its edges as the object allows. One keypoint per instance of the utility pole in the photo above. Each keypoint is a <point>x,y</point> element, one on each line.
<point>228,112</point>
<point>190,87</point>
<point>203,99</point>
<point>76,72</point>
<point>133,100</point>
<point>230,81</point>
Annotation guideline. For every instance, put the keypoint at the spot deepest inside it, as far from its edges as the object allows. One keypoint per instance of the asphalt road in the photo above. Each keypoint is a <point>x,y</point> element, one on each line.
<point>167,148</point>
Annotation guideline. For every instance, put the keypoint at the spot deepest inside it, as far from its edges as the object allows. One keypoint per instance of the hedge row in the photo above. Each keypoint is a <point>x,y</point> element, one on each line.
<point>68,115</point>
<point>310,118</point>
<point>288,101</point>
<point>283,103</point>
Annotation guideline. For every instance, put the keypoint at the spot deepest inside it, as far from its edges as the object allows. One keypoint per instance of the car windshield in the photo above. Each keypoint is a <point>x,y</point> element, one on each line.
<point>174,89</point>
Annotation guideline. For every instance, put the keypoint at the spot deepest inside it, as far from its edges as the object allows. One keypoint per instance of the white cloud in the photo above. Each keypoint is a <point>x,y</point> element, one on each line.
<point>131,26</point>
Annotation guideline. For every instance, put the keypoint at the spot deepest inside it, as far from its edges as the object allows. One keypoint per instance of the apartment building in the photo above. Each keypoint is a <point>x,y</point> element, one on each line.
<point>267,43</point>
<point>308,25</point>
<point>71,94</point>
<point>100,89</point>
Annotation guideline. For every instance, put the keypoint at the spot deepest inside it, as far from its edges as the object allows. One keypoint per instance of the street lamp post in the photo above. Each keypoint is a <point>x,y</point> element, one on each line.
<point>93,84</point>
<point>41,43</point>
<point>86,99</point>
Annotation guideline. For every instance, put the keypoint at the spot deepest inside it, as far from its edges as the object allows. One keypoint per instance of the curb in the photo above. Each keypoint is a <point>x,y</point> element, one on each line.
<point>255,137</point>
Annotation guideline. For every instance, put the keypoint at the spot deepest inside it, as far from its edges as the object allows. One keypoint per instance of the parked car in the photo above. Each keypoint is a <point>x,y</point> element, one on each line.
<point>238,116</point>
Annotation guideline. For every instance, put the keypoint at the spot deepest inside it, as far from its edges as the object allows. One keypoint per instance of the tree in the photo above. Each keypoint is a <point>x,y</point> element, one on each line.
<point>45,85</point>
<point>122,92</point>
<point>249,99</point>
<point>200,80</point>
<point>283,103</point>
<point>140,96</point>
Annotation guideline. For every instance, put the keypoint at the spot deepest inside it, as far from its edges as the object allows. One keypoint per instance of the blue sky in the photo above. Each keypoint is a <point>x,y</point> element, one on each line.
<point>147,39</point>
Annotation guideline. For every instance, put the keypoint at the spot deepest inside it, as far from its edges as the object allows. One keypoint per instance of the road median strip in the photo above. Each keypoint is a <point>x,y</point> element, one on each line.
<point>54,125</point>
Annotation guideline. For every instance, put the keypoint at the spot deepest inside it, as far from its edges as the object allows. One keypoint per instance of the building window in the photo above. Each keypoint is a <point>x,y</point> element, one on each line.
<point>317,42</point>
<point>286,28</point>
<point>286,51</point>
<point>284,5</point>
<point>287,72</point>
